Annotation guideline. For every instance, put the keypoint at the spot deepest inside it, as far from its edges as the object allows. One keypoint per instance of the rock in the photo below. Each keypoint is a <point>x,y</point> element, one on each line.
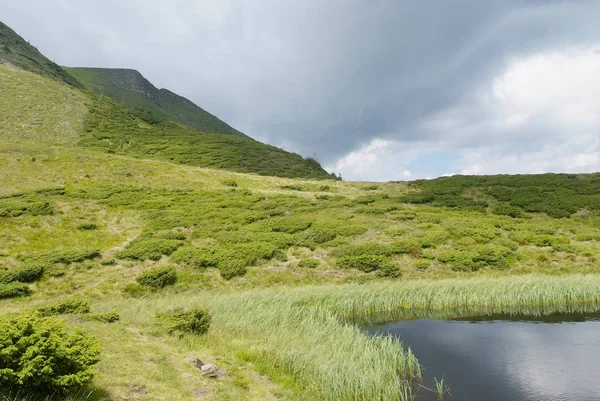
<point>195,361</point>
<point>212,372</point>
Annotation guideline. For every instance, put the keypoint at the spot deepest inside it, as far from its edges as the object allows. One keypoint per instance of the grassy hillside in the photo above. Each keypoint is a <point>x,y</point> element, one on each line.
<point>95,198</point>
<point>131,88</point>
<point>16,52</point>
<point>281,264</point>
<point>118,129</point>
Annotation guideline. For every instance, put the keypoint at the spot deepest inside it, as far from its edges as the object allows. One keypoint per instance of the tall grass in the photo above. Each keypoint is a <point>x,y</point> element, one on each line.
<point>307,333</point>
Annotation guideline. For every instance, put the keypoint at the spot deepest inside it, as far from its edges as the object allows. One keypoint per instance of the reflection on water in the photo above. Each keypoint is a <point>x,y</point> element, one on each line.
<point>500,358</point>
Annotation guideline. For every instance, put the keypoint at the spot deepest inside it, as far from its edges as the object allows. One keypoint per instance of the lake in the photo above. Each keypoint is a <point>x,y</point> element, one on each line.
<point>501,358</point>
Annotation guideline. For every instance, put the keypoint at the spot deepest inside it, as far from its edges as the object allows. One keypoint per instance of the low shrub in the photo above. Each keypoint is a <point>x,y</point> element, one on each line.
<point>389,269</point>
<point>230,183</point>
<point>39,355</point>
<point>365,263</point>
<point>193,256</point>
<point>108,262</point>
<point>422,264</point>
<point>289,224</point>
<point>68,307</point>
<point>108,317</point>
<point>406,245</point>
<point>135,290</point>
<point>87,226</point>
<point>24,274</point>
<point>151,248</point>
<point>66,257</point>
<point>231,268</point>
<point>511,211</point>
<point>158,277</point>
<point>195,321</point>
<point>309,263</point>
<point>13,290</point>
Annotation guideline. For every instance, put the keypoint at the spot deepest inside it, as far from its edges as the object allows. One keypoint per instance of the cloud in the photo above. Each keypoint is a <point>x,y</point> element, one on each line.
<point>332,77</point>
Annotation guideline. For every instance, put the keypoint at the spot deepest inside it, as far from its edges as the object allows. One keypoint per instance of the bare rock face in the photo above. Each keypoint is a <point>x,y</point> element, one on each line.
<point>212,372</point>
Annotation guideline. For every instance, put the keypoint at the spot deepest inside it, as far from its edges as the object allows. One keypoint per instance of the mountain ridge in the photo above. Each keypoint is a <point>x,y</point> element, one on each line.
<point>129,86</point>
<point>17,52</point>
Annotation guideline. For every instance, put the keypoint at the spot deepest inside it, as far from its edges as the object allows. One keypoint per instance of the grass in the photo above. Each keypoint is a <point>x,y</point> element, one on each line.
<point>15,51</point>
<point>131,88</point>
<point>287,267</point>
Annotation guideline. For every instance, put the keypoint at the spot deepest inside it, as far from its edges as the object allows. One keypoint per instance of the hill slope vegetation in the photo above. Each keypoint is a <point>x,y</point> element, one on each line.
<point>130,87</point>
<point>16,52</point>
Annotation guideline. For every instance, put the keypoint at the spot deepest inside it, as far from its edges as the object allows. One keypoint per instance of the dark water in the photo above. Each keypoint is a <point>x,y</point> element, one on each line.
<point>502,358</point>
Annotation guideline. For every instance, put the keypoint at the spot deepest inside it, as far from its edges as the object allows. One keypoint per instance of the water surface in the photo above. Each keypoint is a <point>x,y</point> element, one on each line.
<point>502,358</point>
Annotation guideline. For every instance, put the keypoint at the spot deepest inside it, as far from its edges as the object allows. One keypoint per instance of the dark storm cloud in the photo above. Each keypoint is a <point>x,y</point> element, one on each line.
<point>323,77</point>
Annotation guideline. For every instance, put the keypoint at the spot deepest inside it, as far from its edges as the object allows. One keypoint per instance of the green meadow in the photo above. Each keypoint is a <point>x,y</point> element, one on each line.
<point>113,218</point>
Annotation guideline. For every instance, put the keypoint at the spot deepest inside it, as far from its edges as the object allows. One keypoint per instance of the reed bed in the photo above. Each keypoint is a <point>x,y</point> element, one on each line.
<point>308,333</point>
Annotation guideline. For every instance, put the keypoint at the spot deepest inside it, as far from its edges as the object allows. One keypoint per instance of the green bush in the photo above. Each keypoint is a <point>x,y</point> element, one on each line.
<point>231,268</point>
<point>68,307</point>
<point>389,269</point>
<point>24,274</point>
<point>421,264</point>
<point>13,290</point>
<point>310,263</point>
<point>108,317</point>
<point>87,226</point>
<point>507,210</point>
<point>195,256</point>
<point>158,277</point>
<point>289,224</point>
<point>39,355</point>
<point>230,183</point>
<point>195,321</point>
<point>66,257</point>
<point>135,290</point>
<point>406,245</point>
<point>152,249</point>
<point>365,263</point>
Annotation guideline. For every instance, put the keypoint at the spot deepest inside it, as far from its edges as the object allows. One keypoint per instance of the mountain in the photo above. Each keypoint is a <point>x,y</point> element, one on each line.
<point>17,52</point>
<point>130,87</point>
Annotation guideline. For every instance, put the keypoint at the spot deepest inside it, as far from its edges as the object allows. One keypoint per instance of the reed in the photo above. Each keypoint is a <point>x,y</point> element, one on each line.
<point>307,333</point>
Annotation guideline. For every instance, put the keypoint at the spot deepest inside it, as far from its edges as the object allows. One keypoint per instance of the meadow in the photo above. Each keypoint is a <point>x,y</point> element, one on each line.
<point>107,232</point>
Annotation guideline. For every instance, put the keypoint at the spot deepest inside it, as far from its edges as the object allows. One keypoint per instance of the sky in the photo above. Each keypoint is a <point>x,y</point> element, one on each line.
<point>376,90</point>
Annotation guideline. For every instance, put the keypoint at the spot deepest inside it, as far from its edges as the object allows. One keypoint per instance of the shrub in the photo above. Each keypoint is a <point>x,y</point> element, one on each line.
<point>421,264</point>
<point>406,245</point>
<point>108,317</point>
<point>289,225</point>
<point>25,274</point>
<point>310,263</point>
<point>195,256</point>
<point>389,269</point>
<point>13,290</point>
<point>152,248</point>
<point>108,262</point>
<point>158,277</point>
<point>365,263</point>
<point>87,226</point>
<point>195,321</point>
<point>135,290</point>
<point>280,256</point>
<point>66,257</point>
<point>231,268</point>
<point>39,355</point>
<point>433,238</point>
<point>507,210</point>
<point>230,183</point>
<point>68,307</point>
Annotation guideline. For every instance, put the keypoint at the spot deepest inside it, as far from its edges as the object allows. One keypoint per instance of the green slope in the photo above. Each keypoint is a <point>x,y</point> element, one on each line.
<point>16,52</point>
<point>130,87</point>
